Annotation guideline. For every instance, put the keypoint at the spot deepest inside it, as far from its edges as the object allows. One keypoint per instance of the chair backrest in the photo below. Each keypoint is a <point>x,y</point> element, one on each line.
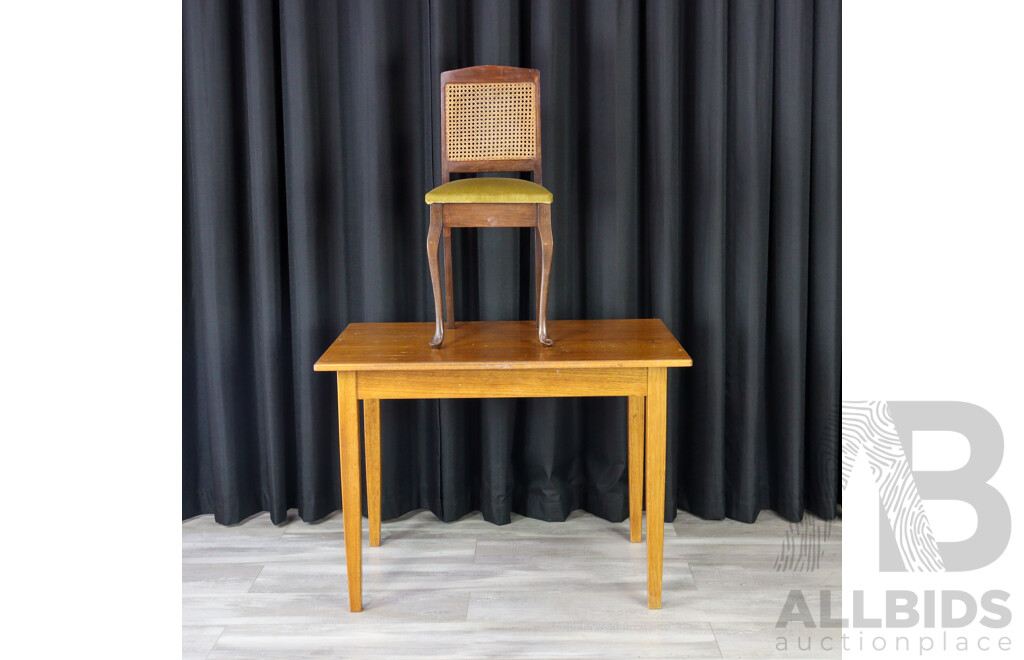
<point>490,120</point>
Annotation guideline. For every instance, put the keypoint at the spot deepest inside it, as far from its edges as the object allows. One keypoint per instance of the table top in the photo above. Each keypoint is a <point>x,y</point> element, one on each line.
<point>505,345</point>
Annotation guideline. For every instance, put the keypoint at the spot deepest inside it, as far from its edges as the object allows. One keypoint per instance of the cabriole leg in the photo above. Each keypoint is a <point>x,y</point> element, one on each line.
<point>546,246</point>
<point>433,239</point>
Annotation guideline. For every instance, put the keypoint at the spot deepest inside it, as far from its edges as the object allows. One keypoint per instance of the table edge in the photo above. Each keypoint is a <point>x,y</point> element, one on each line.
<point>501,366</point>
<point>684,360</point>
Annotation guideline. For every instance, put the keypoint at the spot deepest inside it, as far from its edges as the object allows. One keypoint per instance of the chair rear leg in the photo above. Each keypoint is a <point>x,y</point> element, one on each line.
<point>449,288</point>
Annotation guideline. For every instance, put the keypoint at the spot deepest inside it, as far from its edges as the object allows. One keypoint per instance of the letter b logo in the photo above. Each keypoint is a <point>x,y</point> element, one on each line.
<point>883,431</point>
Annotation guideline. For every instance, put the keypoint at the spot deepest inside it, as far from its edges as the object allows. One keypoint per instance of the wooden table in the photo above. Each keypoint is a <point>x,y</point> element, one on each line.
<point>627,357</point>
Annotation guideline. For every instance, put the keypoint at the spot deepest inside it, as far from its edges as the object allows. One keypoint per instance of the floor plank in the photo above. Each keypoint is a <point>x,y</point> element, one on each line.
<point>466,640</point>
<point>198,641</point>
<point>764,640</point>
<point>218,578</point>
<point>292,609</point>
<point>528,589</point>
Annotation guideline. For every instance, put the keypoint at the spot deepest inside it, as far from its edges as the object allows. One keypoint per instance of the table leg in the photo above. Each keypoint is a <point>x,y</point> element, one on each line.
<point>636,467</point>
<point>371,440</point>
<point>351,506</point>
<point>655,450</point>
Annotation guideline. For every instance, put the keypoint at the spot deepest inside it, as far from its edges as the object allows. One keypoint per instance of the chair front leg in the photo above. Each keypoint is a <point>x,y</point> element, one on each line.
<point>433,240</point>
<point>538,258</point>
<point>546,246</point>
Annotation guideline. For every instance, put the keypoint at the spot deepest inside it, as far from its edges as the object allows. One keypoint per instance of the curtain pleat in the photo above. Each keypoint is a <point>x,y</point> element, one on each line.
<point>693,152</point>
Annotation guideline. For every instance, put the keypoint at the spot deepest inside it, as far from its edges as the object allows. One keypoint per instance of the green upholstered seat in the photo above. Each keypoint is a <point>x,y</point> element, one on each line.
<point>489,190</point>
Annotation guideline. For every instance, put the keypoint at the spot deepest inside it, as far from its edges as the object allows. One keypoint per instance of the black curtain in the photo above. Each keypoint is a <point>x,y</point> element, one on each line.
<point>693,149</point>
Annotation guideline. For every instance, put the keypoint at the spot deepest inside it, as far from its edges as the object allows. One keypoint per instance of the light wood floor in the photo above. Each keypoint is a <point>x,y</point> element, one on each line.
<point>471,589</point>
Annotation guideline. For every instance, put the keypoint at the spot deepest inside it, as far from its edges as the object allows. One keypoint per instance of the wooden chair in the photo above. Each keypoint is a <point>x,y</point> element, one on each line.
<point>490,122</point>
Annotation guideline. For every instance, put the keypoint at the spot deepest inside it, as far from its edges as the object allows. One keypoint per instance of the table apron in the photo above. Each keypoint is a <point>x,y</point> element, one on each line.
<point>501,383</point>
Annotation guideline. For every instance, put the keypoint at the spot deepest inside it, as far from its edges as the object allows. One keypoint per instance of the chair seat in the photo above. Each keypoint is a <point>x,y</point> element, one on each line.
<point>490,190</point>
